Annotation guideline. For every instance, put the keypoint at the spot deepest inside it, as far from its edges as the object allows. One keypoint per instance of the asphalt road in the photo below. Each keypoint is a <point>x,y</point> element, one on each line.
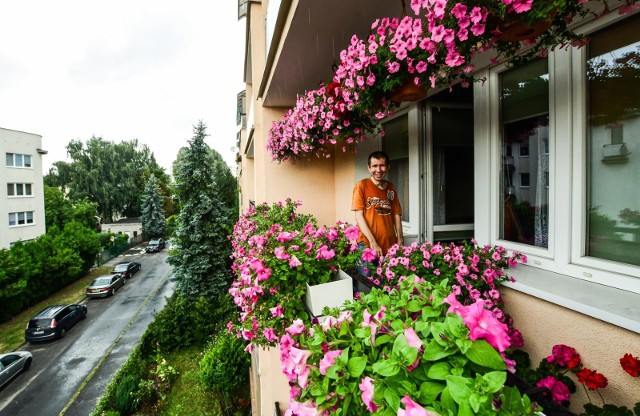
<point>69,375</point>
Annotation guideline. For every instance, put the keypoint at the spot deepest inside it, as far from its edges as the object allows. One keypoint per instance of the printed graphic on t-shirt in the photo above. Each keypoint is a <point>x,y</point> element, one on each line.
<point>382,206</point>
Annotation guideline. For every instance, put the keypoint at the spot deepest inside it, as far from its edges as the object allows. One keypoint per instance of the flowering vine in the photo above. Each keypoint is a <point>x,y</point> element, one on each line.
<point>436,47</point>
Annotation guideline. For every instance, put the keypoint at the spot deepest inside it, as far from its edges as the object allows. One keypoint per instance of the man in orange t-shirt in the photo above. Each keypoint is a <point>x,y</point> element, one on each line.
<point>377,208</point>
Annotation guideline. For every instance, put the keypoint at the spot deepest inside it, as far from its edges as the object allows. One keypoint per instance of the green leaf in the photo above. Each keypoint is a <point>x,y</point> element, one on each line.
<point>429,391</point>
<point>494,381</point>
<point>439,371</point>
<point>460,388</point>
<point>414,306</point>
<point>430,312</point>
<point>386,368</point>
<point>447,401</point>
<point>434,351</point>
<point>485,355</point>
<point>392,398</point>
<point>465,410</point>
<point>356,366</point>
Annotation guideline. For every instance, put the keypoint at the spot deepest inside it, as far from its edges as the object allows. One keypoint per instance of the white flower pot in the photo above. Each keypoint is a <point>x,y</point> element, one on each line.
<point>332,294</point>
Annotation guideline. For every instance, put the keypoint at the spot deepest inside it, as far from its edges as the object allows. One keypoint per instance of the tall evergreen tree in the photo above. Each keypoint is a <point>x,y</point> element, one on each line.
<point>201,258</point>
<point>153,221</point>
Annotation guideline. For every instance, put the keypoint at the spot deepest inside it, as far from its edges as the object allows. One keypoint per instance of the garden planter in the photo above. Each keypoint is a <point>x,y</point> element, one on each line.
<point>514,29</point>
<point>331,294</point>
<point>408,91</point>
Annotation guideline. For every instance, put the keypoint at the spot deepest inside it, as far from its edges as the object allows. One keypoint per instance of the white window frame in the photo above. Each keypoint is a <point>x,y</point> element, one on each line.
<point>607,272</point>
<point>16,185</point>
<point>22,157</point>
<point>495,137</point>
<point>25,216</point>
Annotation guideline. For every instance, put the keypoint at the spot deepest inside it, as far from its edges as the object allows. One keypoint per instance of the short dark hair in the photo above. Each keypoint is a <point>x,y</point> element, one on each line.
<point>378,154</point>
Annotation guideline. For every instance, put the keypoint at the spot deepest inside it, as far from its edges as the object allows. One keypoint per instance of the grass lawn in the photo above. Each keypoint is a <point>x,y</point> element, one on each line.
<point>188,395</point>
<point>12,331</point>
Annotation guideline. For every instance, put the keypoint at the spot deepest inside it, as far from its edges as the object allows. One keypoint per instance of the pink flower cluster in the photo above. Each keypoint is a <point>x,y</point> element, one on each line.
<point>474,272</point>
<point>273,262</point>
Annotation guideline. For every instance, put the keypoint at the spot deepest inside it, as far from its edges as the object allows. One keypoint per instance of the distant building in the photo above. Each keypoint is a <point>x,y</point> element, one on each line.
<point>129,226</point>
<point>21,191</point>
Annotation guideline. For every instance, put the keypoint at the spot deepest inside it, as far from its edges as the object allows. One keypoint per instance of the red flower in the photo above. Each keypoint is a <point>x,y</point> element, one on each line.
<point>630,364</point>
<point>592,379</point>
<point>564,356</point>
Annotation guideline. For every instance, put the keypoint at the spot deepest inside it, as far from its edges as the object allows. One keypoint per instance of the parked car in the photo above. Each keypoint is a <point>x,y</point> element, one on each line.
<point>12,364</point>
<point>105,285</point>
<point>155,245</point>
<point>54,322</point>
<point>127,268</point>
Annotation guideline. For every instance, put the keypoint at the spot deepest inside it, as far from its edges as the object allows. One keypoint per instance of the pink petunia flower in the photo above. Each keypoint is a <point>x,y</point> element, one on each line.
<point>366,387</point>
<point>328,360</point>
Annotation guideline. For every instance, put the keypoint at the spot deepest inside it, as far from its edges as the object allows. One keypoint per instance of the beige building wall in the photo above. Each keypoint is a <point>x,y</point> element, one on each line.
<point>17,142</point>
<point>599,344</point>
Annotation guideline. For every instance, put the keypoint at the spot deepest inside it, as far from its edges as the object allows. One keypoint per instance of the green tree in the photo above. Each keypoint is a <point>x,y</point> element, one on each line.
<point>153,221</point>
<point>201,259</point>
<point>59,210</point>
<point>111,174</point>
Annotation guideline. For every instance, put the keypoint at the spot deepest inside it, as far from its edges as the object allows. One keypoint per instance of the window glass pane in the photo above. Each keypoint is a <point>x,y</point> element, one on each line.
<point>27,161</point>
<point>613,198</point>
<point>10,191</point>
<point>12,218</point>
<point>17,160</point>
<point>19,189</point>
<point>29,217</point>
<point>20,218</point>
<point>27,189</point>
<point>9,159</point>
<point>396,145</point>
<point>524,99</point>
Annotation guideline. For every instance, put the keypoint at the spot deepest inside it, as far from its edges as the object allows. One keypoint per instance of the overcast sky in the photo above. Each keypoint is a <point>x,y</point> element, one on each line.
<point>121,70</point>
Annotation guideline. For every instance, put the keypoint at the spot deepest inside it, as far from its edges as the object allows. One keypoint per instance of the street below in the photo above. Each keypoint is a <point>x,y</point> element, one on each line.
<point>69,375</point>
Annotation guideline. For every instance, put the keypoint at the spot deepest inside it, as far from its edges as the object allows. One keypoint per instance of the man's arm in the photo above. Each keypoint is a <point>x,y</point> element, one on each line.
<point>398,223</point>
<point>366,231</point>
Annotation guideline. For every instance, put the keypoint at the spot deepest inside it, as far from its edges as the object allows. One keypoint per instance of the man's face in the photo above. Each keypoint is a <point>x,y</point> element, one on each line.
<point>378,169</point>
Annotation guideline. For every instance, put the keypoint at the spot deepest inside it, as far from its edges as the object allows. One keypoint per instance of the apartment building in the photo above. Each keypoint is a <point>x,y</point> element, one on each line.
<point>21,191</point>
<point>549,171</point>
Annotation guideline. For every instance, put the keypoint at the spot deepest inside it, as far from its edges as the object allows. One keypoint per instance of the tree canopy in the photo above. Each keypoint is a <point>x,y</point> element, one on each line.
<point>201,258</point>
<point>111,174</point>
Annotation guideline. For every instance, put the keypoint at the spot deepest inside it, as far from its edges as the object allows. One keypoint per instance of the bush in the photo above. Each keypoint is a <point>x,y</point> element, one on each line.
<point>184,322</point>
<point>125,399</point>
<point>225,365</point>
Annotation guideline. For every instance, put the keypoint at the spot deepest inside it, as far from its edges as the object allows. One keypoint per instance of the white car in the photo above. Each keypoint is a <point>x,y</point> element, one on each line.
<point>12,364</point>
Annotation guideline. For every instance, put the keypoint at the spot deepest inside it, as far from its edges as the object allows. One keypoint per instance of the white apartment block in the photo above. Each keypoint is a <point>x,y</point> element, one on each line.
<point>21,190</point>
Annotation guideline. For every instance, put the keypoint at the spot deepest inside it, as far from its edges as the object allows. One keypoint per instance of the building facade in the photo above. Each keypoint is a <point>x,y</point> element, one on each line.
<point>22,195</point>
<point>540,158</point>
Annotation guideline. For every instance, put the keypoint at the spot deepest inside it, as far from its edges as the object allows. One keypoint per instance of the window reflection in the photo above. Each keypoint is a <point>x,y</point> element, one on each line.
<point>613,202</point>
<point>396,145</point>
<point>524,103</point>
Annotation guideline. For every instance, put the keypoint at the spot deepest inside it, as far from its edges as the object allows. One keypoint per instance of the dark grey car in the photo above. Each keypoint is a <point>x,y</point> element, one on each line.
<point>105,285</point>
<point>54,322</point>
<point>12,364</point>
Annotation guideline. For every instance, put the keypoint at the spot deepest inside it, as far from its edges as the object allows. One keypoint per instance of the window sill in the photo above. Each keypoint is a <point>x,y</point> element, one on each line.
<point>612,305</point>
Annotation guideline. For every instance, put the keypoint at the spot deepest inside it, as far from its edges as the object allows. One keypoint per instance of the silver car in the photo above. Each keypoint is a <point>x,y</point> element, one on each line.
<point>12,364</point>
<point>105,285</point>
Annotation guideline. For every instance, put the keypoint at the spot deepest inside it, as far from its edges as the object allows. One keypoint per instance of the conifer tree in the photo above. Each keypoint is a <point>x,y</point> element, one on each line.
<point>202,250</point>
<point>153,220</point>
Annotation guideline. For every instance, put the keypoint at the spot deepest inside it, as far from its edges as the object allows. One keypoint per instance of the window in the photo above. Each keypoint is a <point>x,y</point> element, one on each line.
<point>20,218</point>
<point>613,131</point>
<point>18,161</point>
<point>19,189</point>
<point>396,145</point>
<point>524,113</point>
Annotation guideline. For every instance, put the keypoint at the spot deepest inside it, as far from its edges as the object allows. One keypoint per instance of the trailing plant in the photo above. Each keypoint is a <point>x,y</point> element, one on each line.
<point>434,48</point>
<point>276,253</point>
<point>412,351</point>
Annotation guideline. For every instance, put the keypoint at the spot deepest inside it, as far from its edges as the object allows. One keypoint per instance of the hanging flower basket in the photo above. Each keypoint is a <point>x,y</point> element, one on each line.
<point>515,29</point>
<point>408,91</point>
